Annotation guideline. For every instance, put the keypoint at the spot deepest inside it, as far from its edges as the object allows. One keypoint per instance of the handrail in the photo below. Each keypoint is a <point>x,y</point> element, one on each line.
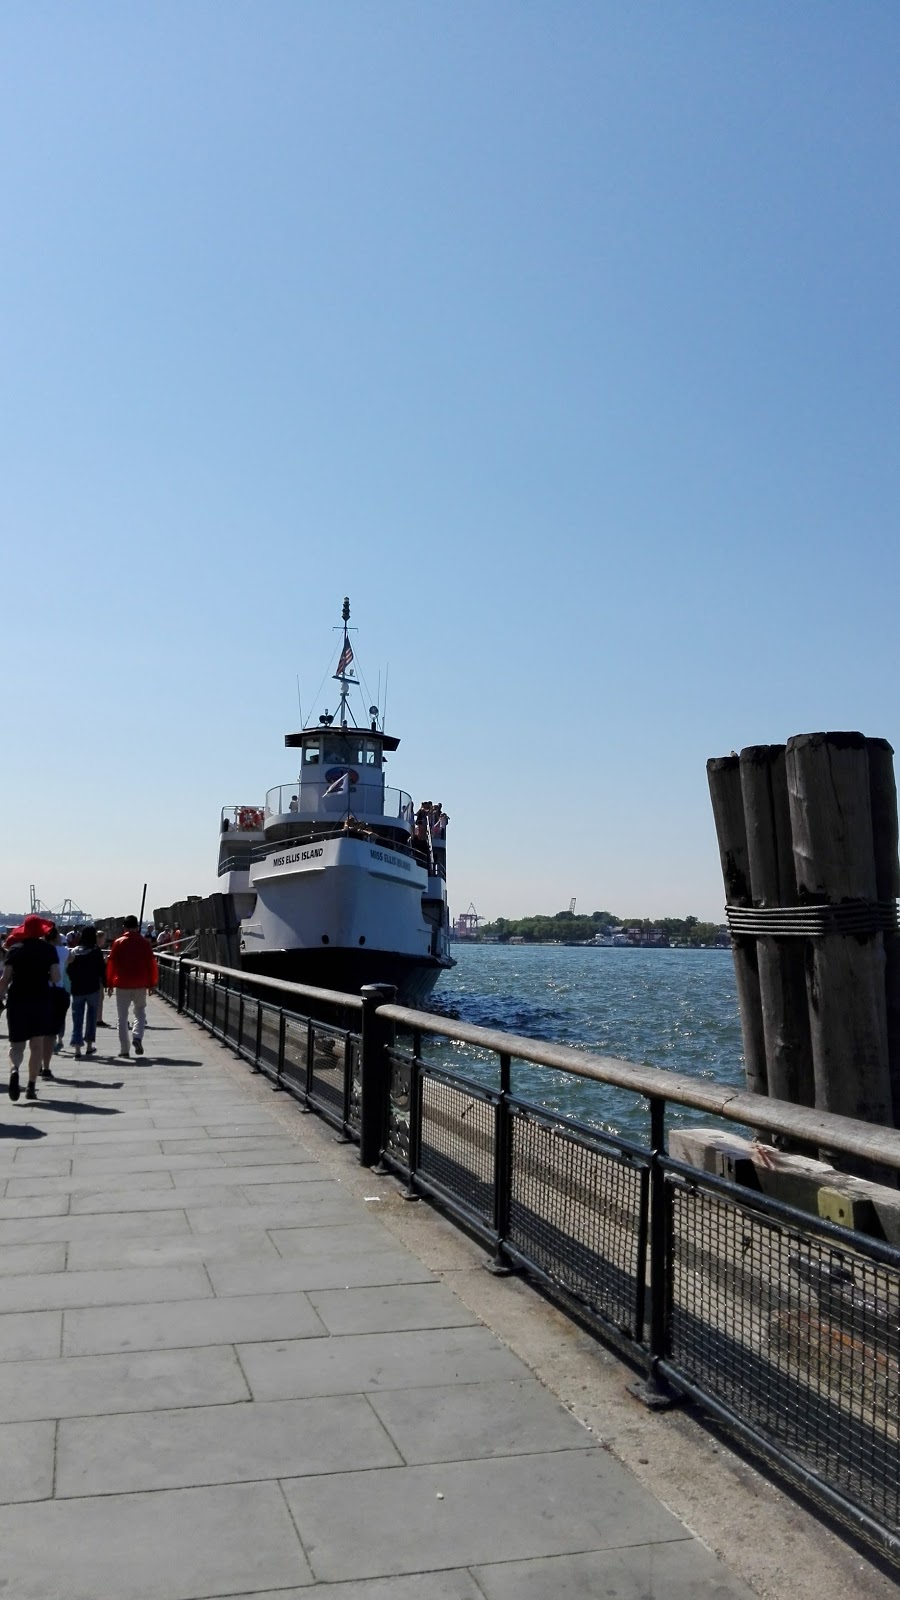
<point>306,991</point>
<point>823,1128</point>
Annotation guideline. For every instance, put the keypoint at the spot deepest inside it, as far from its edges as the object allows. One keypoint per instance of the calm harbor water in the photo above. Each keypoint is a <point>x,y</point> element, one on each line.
<point>668,1008</point>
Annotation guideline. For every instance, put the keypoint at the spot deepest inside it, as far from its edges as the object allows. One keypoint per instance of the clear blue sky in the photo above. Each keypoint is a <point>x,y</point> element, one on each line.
<point>562,337</point>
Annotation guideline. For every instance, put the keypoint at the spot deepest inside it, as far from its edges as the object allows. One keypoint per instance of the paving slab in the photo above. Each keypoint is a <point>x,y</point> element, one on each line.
<point>171,1545</point>
<point>220,1444</point>
<point>319,1271</point>
<point>149,1285</point>
<point>683,1570</point>
<point>356,1363</point>
<point>167,1198</point>
<point>59,1226</point>
<point>385,1309</point>
<point>469,1422</point>
<point>16,1259</point>
<point>473,1512</point>
<point>330,1205</point>
<point>96,1385</point>
<point>255,1248</point>
<point>30,1334</point>
<point>190,1322</point>
<point>27,1451</point>
<point>80,1184</point>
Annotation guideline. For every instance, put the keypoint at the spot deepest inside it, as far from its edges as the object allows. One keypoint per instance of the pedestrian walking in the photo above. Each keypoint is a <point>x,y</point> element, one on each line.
<point>60,997</point>
<point>131,970</point>
<point>86,973</point>
<point>30,968</point>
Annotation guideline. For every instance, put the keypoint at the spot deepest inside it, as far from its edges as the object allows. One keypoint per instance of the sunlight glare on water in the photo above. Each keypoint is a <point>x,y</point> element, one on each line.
<point>675,1009</point>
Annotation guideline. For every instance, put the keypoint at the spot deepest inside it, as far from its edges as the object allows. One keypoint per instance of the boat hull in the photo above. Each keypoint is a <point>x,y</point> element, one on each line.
<point>348,971</point>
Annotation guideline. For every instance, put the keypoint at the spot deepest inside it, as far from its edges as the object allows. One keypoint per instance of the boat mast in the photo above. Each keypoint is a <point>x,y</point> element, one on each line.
<point>343,675</point>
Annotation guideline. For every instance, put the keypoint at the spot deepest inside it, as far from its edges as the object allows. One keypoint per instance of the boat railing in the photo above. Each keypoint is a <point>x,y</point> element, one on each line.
<point>348,827</point>
<point>241,819</point>
<point>774,1321</point>
<point>318,799</point>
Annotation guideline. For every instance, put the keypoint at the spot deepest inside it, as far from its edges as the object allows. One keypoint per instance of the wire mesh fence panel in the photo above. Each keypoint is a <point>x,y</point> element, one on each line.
<point>798,1337</point>
<point>268,1037</point>
<point>249,1030</point>
<point>578,1212</point>
<point>293,1065</point>
<point>396,1143</point>
<point>355,1109</point>
<point>328,1069</point>
<point>456,1149</point>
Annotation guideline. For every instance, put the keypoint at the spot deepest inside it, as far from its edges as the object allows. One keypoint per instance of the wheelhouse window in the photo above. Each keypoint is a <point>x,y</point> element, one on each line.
<point>312,755</point>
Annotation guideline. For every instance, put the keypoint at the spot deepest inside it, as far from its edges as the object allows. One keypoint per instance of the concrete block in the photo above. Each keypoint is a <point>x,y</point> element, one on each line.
<point>182,1250</point>
<point>36,1230</point>
<point>166,1199</point>
<point>18,1259</point>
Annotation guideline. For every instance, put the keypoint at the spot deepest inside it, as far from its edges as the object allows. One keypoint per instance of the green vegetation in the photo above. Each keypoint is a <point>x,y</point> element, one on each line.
<point>563,928</point>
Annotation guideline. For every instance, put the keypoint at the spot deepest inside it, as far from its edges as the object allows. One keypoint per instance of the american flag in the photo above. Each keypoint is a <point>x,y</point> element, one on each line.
<point>345,658</point>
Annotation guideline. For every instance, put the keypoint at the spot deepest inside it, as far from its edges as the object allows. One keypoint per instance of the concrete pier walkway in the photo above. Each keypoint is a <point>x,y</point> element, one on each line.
<point>222,1375</point>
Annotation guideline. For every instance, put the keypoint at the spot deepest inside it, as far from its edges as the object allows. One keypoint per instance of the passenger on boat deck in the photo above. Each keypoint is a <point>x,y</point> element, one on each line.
<point>295,804</point>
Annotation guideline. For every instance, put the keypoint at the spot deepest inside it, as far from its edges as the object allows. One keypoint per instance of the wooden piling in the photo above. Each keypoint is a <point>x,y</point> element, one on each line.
<point>724,775</point>
<point>834,861</point>
<point>883,794</point>
<point>782,969</point>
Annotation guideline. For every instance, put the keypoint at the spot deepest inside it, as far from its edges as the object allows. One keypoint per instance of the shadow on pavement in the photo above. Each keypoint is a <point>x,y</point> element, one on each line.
<point>78,1107</point>
<point>86,1083</point>
<point>8,1130</point>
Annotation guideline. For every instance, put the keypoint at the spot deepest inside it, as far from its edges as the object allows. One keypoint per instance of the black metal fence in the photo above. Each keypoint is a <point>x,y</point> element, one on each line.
<point>782,1326</point>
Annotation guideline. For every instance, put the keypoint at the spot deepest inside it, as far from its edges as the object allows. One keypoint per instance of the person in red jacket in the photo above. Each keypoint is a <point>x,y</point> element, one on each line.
<point>131,970</point>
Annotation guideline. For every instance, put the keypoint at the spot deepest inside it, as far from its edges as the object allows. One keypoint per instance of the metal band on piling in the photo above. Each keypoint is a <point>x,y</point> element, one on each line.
<point>860,917</point>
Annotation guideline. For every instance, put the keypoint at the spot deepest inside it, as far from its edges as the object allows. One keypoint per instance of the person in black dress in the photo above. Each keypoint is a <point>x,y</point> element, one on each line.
<point>30,968</point>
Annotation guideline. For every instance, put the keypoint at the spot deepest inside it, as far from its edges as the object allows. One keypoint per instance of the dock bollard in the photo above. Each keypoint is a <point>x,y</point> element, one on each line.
<point>375,1070</point>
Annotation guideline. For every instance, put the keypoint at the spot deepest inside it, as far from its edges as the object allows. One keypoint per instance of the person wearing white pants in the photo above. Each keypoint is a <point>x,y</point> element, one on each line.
<point>125,999</point>
<point>131,970</point>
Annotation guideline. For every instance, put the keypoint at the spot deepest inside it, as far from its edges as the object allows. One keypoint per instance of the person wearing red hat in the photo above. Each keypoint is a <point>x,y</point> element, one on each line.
<point>30,967</point>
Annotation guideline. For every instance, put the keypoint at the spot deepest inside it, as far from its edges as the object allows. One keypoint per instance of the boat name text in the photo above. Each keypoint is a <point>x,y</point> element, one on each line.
<point>299,855</point>
<point>389,860</point>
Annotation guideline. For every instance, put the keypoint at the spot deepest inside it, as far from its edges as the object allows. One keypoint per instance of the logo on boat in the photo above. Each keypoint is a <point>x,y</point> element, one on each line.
<point>334,773</point>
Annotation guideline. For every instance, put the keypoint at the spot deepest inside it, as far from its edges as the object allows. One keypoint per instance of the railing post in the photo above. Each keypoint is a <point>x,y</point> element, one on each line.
<point>500,1267</point>
<point>653,1391</point>
<point>279,1064</point>
<point>182,983</point>
<point>375,1071</point>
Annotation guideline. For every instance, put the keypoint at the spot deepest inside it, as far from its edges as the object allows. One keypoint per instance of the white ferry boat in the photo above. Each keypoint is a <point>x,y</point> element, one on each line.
<point>338,880</point>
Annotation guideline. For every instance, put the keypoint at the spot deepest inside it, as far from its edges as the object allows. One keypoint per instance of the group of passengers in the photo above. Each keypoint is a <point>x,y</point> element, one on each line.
<point>429,836</point>
<point>45,972</point>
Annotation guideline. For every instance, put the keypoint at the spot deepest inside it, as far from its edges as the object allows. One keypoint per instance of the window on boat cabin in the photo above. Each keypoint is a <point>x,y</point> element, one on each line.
<point>311,755</point>
<point>370,754</point>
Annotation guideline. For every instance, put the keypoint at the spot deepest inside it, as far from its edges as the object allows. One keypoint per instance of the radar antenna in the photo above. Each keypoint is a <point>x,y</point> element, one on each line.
<point>345,675</point>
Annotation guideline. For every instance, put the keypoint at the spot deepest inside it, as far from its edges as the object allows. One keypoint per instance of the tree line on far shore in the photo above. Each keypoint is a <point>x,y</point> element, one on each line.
<point>565,928</point>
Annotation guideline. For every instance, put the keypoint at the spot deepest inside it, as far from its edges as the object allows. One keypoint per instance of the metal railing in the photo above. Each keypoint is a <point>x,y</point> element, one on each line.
<point>315,798</point>
<point>782,1326</point>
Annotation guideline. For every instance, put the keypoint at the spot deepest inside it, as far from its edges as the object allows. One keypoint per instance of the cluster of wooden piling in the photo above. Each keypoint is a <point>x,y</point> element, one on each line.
<point>813,823</point>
